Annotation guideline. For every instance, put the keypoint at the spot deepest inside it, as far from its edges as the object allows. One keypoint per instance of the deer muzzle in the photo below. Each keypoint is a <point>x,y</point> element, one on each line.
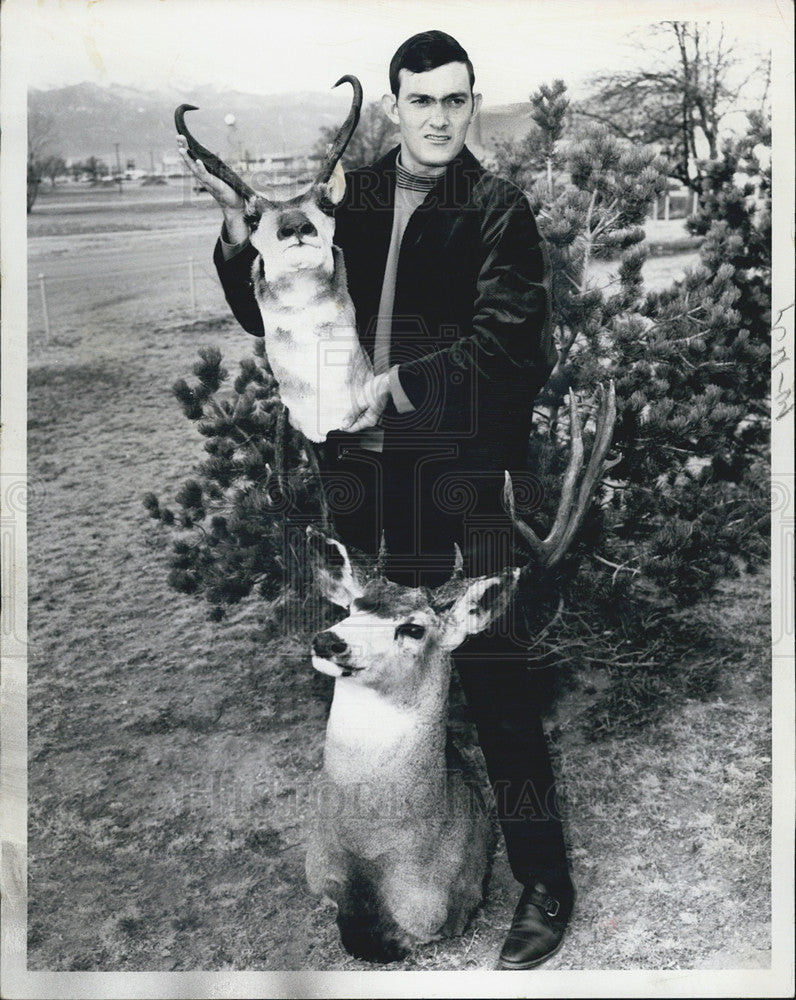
<point>329,645</point>
<point>332,655</point>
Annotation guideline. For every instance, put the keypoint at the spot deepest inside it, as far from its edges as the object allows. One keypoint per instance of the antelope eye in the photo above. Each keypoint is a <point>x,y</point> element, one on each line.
<point>411,631</point>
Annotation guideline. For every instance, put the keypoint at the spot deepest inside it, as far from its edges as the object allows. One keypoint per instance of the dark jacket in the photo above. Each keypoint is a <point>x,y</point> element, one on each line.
<point>471,318</point>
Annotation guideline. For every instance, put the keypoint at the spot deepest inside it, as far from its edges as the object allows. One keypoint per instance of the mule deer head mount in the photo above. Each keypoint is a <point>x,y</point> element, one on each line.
<point>405,878</point>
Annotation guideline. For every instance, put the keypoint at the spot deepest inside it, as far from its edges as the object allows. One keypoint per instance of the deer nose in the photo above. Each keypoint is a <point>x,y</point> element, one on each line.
<point>295,224</point>
<point>328,644</point>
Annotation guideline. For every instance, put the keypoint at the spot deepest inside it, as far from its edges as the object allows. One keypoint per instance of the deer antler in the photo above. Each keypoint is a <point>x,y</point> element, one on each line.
<point>571,511</point>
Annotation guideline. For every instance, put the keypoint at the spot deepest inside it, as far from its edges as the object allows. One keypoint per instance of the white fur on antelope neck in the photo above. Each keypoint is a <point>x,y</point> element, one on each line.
<point>313,350</point>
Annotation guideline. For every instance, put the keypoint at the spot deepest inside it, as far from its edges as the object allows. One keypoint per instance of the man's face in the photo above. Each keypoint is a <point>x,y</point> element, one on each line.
<point>433,111</point>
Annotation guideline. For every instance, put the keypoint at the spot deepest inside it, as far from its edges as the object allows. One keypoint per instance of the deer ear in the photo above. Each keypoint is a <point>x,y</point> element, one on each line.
<point>336,576</point>
<point>484,600</point>
<point>334,189</point>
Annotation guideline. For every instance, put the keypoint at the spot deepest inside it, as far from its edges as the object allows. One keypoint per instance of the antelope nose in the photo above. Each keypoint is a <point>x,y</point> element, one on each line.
<point>295,224</point>
<point>328,644</point>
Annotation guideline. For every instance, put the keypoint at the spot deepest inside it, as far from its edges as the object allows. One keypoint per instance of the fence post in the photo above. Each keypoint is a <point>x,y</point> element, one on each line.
<point>666,206</point>
<point>44,309</point>
<point>193,284</point>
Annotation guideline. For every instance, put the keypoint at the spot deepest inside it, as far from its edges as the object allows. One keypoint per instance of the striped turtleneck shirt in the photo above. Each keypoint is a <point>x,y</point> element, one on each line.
<point>410,192</point>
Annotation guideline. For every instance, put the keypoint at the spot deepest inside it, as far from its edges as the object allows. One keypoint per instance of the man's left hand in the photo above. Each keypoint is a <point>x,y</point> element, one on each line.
<point>369,402</point>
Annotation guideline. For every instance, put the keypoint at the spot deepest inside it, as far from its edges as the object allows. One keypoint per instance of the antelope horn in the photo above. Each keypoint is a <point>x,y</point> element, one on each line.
<point>343,137</point>
<point>213,164</point>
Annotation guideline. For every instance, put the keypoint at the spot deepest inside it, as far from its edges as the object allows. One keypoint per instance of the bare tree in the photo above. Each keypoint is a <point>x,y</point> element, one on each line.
<point>40,126</point>
<point>53,167</point>
<point>95,168</point>
<point>679,104</point>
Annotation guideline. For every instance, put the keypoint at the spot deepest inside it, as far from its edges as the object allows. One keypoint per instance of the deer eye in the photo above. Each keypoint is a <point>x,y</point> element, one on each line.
<point>412,631</point>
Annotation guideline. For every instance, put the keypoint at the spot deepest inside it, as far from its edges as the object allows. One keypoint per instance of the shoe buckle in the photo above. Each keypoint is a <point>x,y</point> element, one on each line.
<point>551,906</point>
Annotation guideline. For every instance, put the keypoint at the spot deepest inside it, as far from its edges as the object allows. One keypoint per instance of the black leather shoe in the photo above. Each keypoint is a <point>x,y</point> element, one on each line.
<point>538,927</point>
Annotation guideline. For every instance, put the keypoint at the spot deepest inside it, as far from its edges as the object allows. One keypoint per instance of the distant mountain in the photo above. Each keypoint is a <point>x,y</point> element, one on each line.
<point>86,120</point>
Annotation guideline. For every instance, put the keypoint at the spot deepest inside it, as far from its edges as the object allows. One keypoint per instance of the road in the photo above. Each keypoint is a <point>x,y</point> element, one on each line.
<point>108,255</point>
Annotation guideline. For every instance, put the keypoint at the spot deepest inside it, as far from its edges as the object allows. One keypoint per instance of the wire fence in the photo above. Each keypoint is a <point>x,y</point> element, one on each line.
<point>675,205</point>
<point>55,299</point>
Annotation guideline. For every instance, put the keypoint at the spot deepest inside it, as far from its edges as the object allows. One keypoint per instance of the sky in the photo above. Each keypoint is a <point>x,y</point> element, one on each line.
<point>276,46</point>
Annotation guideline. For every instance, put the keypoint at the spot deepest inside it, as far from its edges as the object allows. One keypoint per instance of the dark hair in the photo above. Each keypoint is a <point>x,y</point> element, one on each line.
<point>426,51</point>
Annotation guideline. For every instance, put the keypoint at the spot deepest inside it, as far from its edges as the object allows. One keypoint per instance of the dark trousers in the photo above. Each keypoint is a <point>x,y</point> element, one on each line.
<point>499,689</point>
<point>423,502</point>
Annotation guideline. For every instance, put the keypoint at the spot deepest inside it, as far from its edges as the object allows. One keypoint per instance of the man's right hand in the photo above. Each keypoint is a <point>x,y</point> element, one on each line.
<point>229,201</point>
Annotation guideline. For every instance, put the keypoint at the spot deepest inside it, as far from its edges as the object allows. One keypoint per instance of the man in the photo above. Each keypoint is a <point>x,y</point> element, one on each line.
<point>449,278</point>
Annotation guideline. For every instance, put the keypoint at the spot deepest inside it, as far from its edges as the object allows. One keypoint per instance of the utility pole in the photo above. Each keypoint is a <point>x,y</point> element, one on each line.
<point>232,140</point>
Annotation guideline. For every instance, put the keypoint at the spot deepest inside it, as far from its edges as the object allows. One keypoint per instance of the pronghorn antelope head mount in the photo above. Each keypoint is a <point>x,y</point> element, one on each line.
<point>300,284</point>
<point>400,880</point>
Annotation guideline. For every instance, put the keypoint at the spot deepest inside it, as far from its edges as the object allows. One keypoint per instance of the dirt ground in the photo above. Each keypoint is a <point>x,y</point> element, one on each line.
<point>172,759</point>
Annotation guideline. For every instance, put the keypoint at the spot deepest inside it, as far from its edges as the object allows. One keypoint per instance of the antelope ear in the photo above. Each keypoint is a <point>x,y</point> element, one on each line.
<point>484,600</point>
<point>334,189</point>
<point>253,207</point>
<point>336,577</point>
